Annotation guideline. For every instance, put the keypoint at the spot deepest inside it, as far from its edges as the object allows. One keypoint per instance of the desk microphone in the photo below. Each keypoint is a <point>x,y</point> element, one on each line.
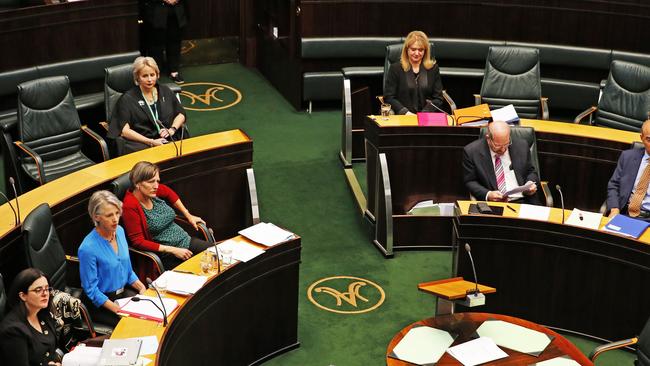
<point>12,208</point>
<point>136,299</point>
<point>180,149</point>
<point>13,185</point>
<point>164,312</point>
<point>559,189</point>
<point>474,297</point>
<point>216,249</point>
<point>468,249</point>
<point>453,119</point>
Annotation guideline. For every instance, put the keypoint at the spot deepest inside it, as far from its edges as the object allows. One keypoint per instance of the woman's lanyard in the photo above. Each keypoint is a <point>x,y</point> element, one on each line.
<point>154,111</point>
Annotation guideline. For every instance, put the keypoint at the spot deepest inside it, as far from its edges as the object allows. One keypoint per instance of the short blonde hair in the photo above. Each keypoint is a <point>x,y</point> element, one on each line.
<point>99,199</point>
<point>142,171</point>
<point>140,63</point>
<point>411,39</point>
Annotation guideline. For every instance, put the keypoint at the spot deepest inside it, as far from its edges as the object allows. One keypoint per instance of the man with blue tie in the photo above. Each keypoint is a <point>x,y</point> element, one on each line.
<point>496,164</point>
<point>627,190</point>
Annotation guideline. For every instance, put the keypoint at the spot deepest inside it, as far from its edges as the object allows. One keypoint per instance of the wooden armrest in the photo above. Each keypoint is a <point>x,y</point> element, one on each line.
<point>449,100</point>
<point>71,258</point>
<point>548,197</point>
<point>150,256</point>
<point>611,346</point>
<point>477,99</point>
<point>104,124</point>
<point>544,106</point>
<point>584,114</point>
<point>203,228</point>
<point>98,139</point>
<point>37,159</point>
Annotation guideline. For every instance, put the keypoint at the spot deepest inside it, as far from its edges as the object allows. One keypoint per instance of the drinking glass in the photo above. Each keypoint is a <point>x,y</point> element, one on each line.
<point>226,256</point>
<point>206,262</point>
<point>161,284</point>
<point>385,111</point>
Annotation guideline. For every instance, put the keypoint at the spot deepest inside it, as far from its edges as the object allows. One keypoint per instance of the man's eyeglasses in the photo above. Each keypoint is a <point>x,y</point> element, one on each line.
<point>500,146</point>
<point>42,290</point>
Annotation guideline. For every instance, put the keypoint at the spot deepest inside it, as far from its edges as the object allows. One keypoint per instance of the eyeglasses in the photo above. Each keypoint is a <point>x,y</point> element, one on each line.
<point>500,146</point>
<point>42,290</point>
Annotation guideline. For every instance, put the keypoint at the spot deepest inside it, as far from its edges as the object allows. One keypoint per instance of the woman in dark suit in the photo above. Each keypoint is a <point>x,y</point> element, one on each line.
<point>27,333</point>
<point>149,114</point>
<point>413,83</point>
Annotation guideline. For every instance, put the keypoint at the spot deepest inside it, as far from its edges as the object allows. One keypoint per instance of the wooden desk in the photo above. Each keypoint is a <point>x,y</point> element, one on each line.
<point>465,325</point>
<point>243,316</point>
<point>562,276</point>
<point>210,177</point>
<point>426,163</point>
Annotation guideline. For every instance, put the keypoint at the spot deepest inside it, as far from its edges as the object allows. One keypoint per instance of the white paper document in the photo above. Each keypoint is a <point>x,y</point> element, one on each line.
<point>477,351</point>
<point>534,212</point>
<point>557,361</point>
<point>514,337</point>
<point>149,345</point>
<point>182,283</point>
<point>241,251</point>
<point>423,345</point>
<point>519,189</point>
<point>144,309</point>
<point>586,219</point>
<point>267,234</point>
<point>82,356</point>
<point>507,114</point>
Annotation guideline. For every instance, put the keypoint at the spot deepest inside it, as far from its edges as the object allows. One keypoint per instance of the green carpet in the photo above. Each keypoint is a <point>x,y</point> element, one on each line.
<point>301,186</point>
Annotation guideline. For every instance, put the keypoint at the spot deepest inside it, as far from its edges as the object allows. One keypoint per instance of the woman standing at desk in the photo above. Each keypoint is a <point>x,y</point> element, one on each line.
<point>413,83</point>
<point>104,262</point>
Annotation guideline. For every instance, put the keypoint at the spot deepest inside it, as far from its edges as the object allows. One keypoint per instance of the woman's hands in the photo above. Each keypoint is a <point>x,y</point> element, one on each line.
<point>180,253</point>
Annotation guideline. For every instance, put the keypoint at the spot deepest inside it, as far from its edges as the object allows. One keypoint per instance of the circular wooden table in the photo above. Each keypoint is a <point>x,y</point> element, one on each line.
<point>465,325</point>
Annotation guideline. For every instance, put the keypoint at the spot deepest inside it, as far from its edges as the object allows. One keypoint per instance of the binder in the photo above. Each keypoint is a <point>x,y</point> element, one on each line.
<point>472,114</point>
<point>432,119</point>
<point>627,226</point>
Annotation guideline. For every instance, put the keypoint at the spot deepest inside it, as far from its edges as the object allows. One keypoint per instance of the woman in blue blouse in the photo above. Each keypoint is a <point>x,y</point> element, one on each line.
<point>104,263</point>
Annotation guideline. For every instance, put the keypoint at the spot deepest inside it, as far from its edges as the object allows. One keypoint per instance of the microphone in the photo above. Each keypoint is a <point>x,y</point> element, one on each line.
<point>13,185</point>
<point>180,149</point>
<point>136,299</point>
<point>559,189</point>
<point>164,312</point>
<point>216,249</point>
<point>453,119</point>
<point>12,208</point>
<point>474,297</point>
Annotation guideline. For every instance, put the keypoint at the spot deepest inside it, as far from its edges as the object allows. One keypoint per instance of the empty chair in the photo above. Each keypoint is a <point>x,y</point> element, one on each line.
<point>512,76</point>
<point>51,134</point>
<point>625,98</point>
<point>642,348</point>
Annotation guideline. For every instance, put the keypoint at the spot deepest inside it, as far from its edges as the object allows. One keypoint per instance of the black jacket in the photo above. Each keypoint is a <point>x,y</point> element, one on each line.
<point>22,345</point>
<point>407,92</point>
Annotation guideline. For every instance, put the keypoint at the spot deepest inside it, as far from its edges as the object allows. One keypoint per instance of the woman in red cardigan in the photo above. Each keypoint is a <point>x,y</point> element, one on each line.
<point>148,218</point>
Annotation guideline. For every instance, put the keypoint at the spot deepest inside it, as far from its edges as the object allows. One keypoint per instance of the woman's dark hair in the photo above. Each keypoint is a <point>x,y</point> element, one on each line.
<point>21,283</point>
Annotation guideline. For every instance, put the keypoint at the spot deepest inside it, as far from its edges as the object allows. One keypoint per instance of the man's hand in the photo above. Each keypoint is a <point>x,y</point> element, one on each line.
<point>496,196</point>
<point>613,212</point>
<point>532,190</point>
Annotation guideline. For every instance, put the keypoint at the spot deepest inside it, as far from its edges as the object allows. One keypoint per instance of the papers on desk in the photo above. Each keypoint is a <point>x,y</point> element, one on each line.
<point>241,251</point>
<point>534,212</point>
<point>267,234</point>
<point>586,219</point>
<point>428,208</point>
<point>514,337</point>
<point>182,283</point>
<point>82,355</point>
<point>519,189</point>
<point>144,309</point>
<point>422,345</point>
<point>627,226</point>
<point>477,351</point>
<point>507,114</point>
<point>557,361</point>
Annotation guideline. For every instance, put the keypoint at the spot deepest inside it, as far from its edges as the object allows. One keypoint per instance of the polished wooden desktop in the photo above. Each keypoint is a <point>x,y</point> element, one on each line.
<point>465,325</point>
<point>210,177</point>
<point>566,277</point>
<point>245,315</point>
<point>425,163</point>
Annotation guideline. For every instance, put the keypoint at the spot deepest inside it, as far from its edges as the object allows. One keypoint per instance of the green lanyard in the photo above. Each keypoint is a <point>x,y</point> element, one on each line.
<point>154,112</point>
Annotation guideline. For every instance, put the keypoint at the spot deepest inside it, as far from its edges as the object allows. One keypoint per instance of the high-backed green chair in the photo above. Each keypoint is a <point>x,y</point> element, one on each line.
<point>642,347</point>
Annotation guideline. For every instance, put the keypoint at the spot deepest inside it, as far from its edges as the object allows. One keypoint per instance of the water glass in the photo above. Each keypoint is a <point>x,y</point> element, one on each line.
<point>226,256</point>
<point>161,284</point>
<point>385,111</point>
<point>206,262</point>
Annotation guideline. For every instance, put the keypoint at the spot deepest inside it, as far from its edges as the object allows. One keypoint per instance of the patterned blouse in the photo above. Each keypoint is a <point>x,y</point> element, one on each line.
<point>163,229</point>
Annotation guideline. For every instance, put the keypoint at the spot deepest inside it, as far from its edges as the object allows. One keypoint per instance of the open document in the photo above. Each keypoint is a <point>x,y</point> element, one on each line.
<point>520,189</point>
<point>267,234</point>
<point>182,283</point>
<point>144,309</point>
<point>586,219</point>
<point>477,351</point>
<point>514,337</point>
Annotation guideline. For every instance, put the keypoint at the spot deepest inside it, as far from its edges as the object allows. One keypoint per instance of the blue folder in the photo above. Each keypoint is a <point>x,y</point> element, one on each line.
<point>627,226</point>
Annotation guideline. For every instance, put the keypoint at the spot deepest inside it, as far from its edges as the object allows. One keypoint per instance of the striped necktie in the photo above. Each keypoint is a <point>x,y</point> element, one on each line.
<point>634,208</point>
<point>501,177</point>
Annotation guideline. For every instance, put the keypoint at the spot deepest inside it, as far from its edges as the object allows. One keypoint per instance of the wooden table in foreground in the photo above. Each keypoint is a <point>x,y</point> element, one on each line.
<point>246,315</point>
<point>465,324</point>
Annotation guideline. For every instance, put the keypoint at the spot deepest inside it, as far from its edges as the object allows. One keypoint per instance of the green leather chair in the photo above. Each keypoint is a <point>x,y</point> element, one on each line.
<point>642,347</point>
<point>512,76</point>
<point>625,98</point>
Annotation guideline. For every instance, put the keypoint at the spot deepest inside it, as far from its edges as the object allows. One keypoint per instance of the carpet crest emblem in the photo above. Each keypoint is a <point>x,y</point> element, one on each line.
<point>207,96</point>
<point>330,294</point>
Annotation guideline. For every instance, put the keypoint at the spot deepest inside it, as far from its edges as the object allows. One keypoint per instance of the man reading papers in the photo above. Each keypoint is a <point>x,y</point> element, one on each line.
<point>498,164</point>
<point>627,190</point>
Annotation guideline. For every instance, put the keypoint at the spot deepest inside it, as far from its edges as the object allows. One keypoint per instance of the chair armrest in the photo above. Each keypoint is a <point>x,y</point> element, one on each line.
<point>449,100</point>
<point>104,125</point>
<point>611,346</point>
<point>203,228</point>
<point>71,258</point>
<point>548,197</point>
<point>477,99</point>
<point>85,316</point>
<point>150,257</point>
<point>544,106</point>
<point>37,159</point>
<point>584,114</point>
<point>102,144</point>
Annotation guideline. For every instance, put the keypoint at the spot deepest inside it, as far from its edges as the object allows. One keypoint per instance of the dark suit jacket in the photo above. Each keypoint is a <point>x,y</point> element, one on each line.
<point>621,183</point>
<point>478,170</point>
<point>404,94</point>
<point>22,345</point>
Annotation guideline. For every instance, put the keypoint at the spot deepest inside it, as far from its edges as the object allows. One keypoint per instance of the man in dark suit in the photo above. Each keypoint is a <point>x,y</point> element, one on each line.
<point>497,164</point>
<point>628,178</point>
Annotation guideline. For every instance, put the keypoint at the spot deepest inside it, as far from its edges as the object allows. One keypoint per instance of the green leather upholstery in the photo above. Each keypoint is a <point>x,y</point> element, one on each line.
<point>512,76</point>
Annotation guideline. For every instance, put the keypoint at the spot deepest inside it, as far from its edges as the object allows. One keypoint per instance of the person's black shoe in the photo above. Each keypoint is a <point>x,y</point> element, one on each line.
<point>178,79</point>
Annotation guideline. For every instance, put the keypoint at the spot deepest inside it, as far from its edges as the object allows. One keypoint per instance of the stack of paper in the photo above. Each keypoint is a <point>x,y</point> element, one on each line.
<point>428,208</point>
<point>423,345</point>
<point>241,251</point>
<point>182,283</point>
<point>586,219</point>
<point>477,351</point>
<point>507,114</point>
<point>514,337</point>
<point>144,309</point>
<point>534,212</point>
<point>267,234</point>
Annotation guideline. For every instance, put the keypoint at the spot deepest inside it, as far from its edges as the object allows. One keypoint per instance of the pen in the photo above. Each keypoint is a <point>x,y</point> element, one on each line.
<point>181,271</point>
<point>511,209</point>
